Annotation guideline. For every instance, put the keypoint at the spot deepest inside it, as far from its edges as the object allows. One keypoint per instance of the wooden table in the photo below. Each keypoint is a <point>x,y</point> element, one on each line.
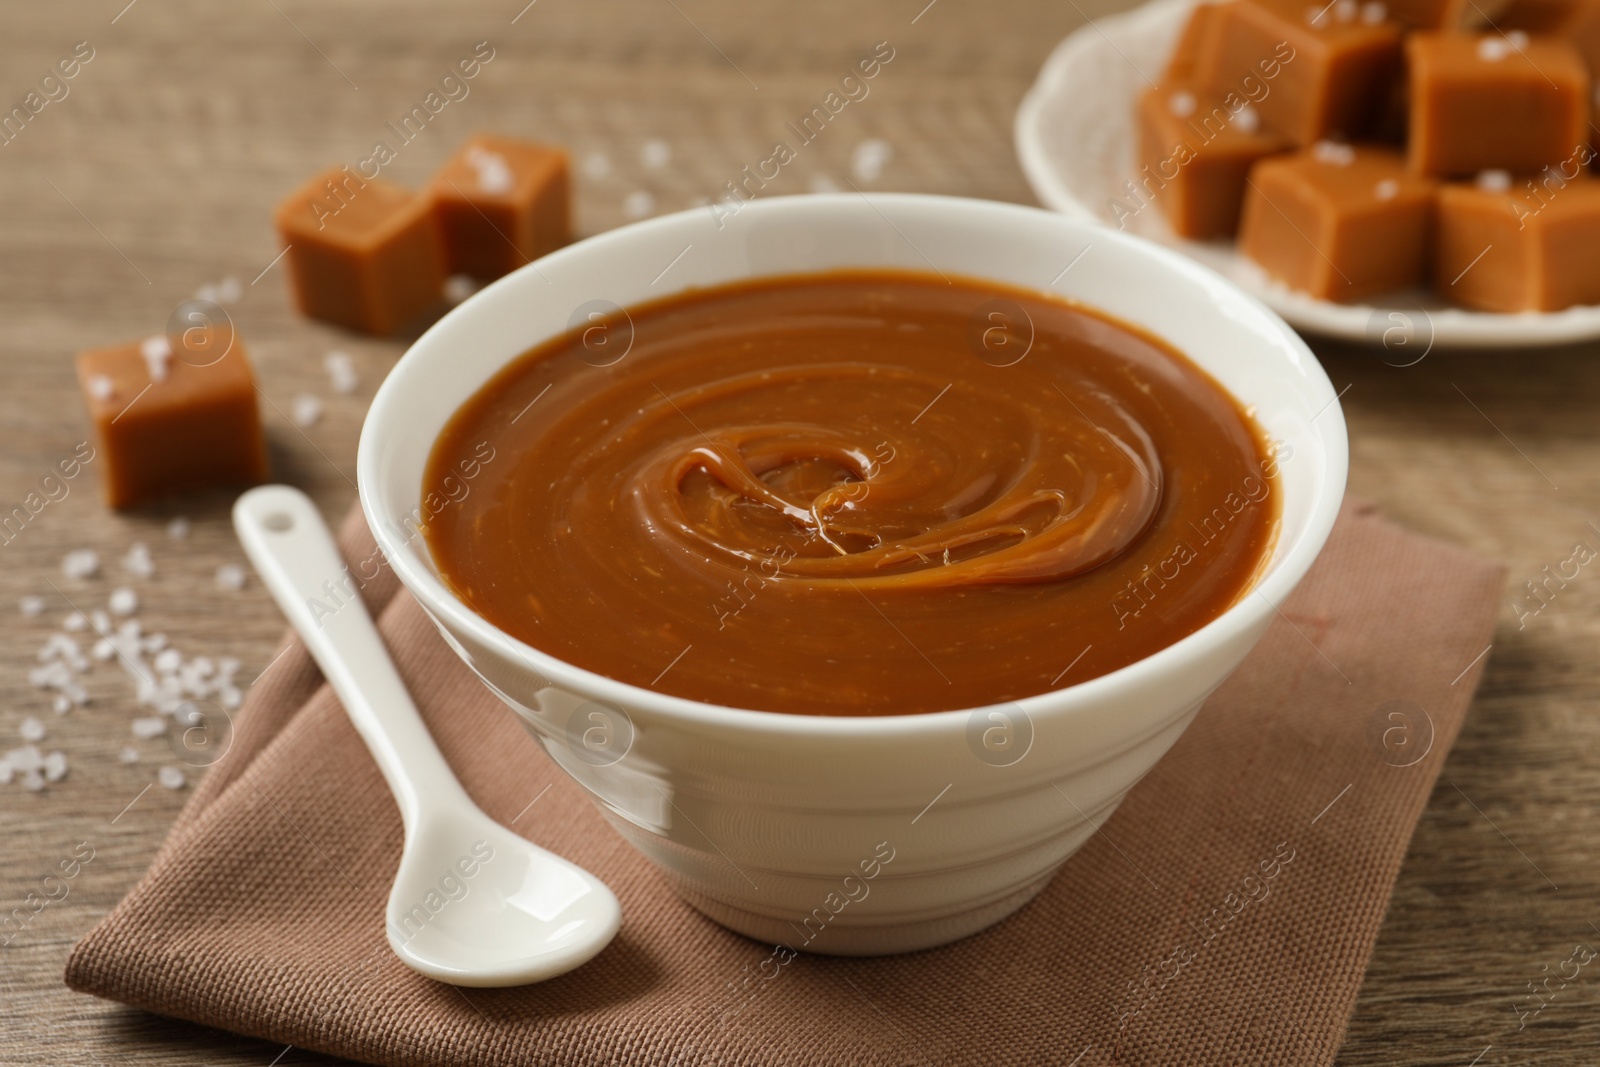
<point>158,173</point>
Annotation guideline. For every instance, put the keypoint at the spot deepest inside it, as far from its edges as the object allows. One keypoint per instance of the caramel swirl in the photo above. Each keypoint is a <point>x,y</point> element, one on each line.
<point>905,511</point>
<point>827,494</point>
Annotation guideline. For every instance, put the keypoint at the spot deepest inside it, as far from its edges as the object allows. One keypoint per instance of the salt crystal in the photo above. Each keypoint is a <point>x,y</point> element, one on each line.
<point>168,661</point>
<point>494,172</point>
<point>1387,189</point>
<point>1493,49</point>
<point>342,371</point>
<point>1517,39</point>
<point>639,203</point>
<point>231,576</point>
<point>75,622</point>
<point>869,158</point>
<point>129,754</point>
<point>81,563</point>
<point>1346,10</point>
<point>178,528</point>
<point>31,605</point>
<point>25,758</point>
<point>148,727</point>
<point>6,772</point>
<point>458,287</point>
<point>61,704</point>
<point>821,183</point>
<point>230,290</point>
<point>1374,12</point>
<point>102,388</point>
<point>32,781</point>
<point>172,777</point>
<point>55,766</point>
<point>31,729</point>
<point>1247,119</point>
<point>655,153</point>
<point>138,562</point>
<point>1494,181</point>
<point>124,602</point>
<point>103,650</point>
<point>597,165</point>
<point>1334,152</point>
<point>1181,104</point>
<point>157,351</point>
<point>100,621</point>
<point>305,410</point>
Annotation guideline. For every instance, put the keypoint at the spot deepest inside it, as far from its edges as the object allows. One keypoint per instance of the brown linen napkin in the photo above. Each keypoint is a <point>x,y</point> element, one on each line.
<point>1224,915</point>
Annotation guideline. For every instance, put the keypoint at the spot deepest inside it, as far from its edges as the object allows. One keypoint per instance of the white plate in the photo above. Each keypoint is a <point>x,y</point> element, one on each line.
<point>1077,142</point>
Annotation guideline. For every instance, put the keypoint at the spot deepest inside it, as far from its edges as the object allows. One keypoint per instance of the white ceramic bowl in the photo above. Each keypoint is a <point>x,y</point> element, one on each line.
<point>860,835</point>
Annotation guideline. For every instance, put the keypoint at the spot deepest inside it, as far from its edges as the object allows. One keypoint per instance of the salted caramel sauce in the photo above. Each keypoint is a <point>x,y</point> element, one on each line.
<point>851,493</point>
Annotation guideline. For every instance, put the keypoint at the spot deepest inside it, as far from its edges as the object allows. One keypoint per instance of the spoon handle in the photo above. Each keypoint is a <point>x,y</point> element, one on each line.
<point>285,537</point>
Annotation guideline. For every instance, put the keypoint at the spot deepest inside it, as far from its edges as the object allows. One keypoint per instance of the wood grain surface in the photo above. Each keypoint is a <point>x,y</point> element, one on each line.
<point>158,172</point>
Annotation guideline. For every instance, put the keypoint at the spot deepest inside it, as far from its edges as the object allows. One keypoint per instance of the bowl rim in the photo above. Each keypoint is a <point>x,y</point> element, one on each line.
<point>1187,652</point>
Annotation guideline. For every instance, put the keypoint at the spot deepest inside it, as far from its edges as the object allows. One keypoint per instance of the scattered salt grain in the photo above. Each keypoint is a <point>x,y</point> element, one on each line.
<point>178,528</point>
<point>229,290</point>
<point>168,661</point>
<point>494,173</point>
<point>1247,119</point>
<point>172,777</point>
<point>1346,10</point>
<point>31,605</point>
<point>75,623</point>
<point>124,602</point>
<point>1517,39</point>
<point>655,153</point>
<point>1387,189</point>
<point>305,410</point>
<point>81,563</point>
<point>1493,49</point>
<point>1181,104</point>
<point>639,203</point>
<point>55,767</point>
<point>157,351</point>
<point>1494,181</point>
<point>597,165</point>
<point>32,781</point>
<point>458,287</point>
<point>1334,152</point>
<point>231,576</point>
<point>31,729</point>
<point>101,387</point>
<point>341,372</point>
<point>869,158</point>
<point>149,726</point>
<point>1374,12</point>
<point>100,621</point>
<point>138,562</point>
<point>103,650</point>
<point>129,754</point>
<point>60,704</point>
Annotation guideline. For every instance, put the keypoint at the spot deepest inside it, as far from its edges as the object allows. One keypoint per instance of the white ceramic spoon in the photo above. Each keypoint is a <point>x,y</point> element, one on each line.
<point>473,904</point>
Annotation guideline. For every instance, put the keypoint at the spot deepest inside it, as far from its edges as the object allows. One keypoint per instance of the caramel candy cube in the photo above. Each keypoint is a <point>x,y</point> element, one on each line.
<point>1339,222</point>
<point>1492,103</point>
<point>1196,155</point>
<point>502,203</point>
<point>171,419</point>
<point>1312,71</point>
<point>363,253</point>
<point>1514,249</point>
<point>1197,40</point>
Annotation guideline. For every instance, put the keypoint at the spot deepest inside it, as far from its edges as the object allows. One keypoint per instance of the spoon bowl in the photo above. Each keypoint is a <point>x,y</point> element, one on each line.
<point>473,904</point>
